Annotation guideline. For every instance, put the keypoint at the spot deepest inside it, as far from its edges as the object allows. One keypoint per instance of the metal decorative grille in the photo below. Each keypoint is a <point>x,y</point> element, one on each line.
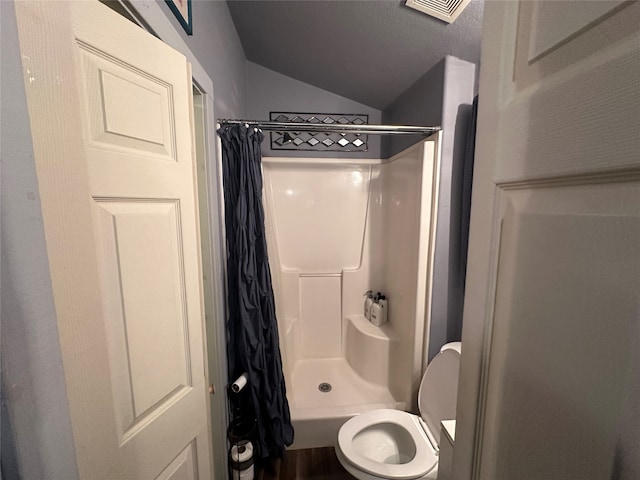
<point>319,141</point>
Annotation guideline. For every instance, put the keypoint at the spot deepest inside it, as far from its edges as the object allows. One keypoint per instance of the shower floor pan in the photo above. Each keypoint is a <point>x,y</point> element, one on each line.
<point>318,414</point>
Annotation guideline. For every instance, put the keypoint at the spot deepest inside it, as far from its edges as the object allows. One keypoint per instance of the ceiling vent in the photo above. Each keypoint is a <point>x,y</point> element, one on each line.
<point>445,10</point>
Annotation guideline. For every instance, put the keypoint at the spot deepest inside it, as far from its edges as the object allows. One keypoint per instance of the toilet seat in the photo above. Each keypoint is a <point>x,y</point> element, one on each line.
<point>424,459</point>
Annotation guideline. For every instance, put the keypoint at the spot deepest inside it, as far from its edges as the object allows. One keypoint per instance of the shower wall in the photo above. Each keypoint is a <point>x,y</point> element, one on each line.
<point>316,220</point>
<point>339,227</point>
<point>408,193</point>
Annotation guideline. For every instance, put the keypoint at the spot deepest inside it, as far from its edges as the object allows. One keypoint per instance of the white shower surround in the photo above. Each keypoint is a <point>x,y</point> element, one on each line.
<point>336,228</point>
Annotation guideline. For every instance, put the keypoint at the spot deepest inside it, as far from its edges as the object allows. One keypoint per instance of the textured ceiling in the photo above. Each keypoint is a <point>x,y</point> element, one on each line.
<point>367,50</point>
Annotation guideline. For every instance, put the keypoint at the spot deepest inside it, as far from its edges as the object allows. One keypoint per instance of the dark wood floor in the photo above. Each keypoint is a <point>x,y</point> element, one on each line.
<point>308,464</point>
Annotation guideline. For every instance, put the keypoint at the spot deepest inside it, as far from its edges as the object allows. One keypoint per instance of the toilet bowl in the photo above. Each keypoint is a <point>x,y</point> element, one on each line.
<point>391,444</point>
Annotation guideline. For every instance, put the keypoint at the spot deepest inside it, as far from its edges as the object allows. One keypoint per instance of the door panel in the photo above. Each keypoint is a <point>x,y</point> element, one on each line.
<point>183,467</point>
<point>549,385</point>
<point>111,118</point>
<point>144,290</point>
<point>536,124</point>
<point>126,107</point>
<point>552,36</point>
<point>554,23</point>
<point>568,275</point>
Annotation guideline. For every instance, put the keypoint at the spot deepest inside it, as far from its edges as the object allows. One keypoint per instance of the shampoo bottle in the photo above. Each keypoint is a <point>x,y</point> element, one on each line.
<point>368,302</point>
<point>383,309</point>
<point>379,310</point>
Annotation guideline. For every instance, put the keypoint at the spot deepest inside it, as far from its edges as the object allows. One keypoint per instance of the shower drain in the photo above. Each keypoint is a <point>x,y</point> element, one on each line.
<point>324,387</point>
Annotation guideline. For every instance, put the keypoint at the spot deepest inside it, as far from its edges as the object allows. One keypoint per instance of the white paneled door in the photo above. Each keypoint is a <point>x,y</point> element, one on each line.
<point>549,383</point>
<point>111,119</point>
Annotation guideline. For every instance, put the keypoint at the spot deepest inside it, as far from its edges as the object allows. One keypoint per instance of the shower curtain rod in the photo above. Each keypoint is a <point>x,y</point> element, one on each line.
<point>335,127</point>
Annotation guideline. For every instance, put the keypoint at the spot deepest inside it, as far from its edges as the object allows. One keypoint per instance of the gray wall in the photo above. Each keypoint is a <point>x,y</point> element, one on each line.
<point>269,91</point>
<point>420,104</point>
<point>36,430</point>
<point>216,45</point>
<point>443,96</point>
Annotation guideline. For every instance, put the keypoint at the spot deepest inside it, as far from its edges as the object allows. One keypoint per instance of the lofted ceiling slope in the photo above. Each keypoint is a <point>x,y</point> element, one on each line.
<point>370,51</point>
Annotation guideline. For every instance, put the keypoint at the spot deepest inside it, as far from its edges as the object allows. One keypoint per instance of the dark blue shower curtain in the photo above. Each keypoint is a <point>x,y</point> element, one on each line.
<point>252,330</point>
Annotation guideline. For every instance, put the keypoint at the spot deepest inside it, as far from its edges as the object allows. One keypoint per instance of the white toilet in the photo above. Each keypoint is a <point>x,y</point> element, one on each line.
<point>391,444</point>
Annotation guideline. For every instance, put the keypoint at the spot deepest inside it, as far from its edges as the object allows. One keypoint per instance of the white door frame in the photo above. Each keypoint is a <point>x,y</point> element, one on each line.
<point>154,18</point>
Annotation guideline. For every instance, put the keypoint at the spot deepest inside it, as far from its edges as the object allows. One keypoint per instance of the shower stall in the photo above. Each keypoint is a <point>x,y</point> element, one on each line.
<point>335,229</point>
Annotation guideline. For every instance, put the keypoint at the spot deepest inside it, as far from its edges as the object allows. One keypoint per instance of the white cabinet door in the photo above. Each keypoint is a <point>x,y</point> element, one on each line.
<point>549,378</point>
<point>111,119</point>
